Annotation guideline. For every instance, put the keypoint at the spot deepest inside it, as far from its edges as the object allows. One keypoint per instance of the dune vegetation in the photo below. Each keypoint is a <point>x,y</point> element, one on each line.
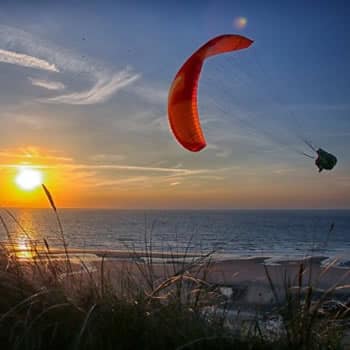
<point>51,302</point>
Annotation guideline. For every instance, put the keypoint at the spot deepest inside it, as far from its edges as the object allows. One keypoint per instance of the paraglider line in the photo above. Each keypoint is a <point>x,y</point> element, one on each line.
<point>309,144</point>
<point>306,155</point>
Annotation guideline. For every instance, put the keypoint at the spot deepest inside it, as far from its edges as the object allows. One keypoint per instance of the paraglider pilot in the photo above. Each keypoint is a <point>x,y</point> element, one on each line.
<point>325,160</point>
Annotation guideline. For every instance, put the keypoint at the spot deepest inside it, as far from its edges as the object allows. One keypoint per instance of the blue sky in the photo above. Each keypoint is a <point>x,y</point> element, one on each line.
<point>84,91</point>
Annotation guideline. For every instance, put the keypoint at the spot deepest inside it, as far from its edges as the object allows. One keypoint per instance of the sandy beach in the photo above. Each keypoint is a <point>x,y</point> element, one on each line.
<point>244,280</point>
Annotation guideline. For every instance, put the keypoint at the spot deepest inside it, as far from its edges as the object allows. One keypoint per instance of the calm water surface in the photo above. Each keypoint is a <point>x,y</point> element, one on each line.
<point>230,232</point>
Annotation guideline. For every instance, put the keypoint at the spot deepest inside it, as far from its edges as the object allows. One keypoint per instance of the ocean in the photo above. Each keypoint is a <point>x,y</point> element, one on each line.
<point>239,233</point>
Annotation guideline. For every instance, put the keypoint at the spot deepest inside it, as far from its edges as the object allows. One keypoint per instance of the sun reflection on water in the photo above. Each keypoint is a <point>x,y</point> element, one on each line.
<point>22,236</point>
<point>23,248</point>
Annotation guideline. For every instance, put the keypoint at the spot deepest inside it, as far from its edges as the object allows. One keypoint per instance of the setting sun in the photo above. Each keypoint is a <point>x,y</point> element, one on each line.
<point>28,179</point>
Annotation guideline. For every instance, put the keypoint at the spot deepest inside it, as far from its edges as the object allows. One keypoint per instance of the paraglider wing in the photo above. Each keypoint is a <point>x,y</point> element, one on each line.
<point>182,99</point>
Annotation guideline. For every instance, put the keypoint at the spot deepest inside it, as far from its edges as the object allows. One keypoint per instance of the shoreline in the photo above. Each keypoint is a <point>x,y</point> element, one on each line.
<point>163,256</point>
<point>243,280</point>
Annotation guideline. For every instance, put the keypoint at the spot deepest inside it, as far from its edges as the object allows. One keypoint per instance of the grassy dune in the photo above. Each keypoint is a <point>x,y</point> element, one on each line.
<point>50,303</point>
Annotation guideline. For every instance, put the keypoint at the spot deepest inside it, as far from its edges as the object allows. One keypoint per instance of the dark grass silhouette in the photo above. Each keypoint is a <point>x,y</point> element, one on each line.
<point>43,305</point>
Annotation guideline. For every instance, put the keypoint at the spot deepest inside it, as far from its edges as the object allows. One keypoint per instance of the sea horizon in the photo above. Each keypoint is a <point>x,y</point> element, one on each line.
<point>228,232</point>
<point>176,209</point>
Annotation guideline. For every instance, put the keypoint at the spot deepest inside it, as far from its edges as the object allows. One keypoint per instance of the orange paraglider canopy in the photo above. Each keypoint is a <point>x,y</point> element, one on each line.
<point>182,99</point>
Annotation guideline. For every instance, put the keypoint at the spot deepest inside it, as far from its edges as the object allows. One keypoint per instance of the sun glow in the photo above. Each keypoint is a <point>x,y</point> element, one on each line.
<point>28,179</point>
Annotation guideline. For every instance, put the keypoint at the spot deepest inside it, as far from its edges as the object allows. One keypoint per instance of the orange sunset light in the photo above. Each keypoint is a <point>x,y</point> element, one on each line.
<point>23,185</point>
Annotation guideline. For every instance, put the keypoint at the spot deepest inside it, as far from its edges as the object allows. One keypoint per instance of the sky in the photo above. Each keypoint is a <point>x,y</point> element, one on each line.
<point>83,95</point>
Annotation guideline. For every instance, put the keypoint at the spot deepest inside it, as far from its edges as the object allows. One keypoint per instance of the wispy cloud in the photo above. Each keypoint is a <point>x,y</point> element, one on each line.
<point>105,82</point>
<point>47,84</point>
<point>152,94</point>
<point>136,179</point>
<point>24,60</point>
<point>107,157</point>
<point>104,88</point>
<point>221,152</point>
<point>67,60</point>
<point>33,154</point>
<point>182,171</point>
<point>320,107</point>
